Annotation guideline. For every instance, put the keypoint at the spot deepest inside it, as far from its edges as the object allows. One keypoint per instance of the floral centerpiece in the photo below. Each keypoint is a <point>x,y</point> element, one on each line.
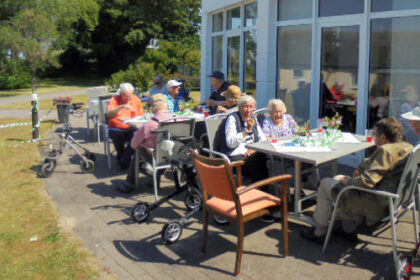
<point>334,122</point>
<point>303,130</point>
<point>60,100</point>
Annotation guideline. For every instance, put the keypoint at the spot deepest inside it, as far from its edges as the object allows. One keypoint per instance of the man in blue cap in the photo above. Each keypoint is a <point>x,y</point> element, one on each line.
<point>219,85</point>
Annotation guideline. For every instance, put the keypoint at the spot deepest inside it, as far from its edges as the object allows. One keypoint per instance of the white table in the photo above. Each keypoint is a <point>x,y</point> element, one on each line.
<point>316,158</point>
<point>140,120</point>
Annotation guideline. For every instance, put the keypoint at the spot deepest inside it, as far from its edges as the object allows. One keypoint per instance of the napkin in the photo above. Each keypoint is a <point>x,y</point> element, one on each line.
<point>348,138</point>
<point>283,147</point>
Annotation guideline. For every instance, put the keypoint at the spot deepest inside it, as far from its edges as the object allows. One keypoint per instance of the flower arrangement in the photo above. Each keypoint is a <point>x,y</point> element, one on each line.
<point>66,100</point>
<point>334,122</point>
<point>303,130</point>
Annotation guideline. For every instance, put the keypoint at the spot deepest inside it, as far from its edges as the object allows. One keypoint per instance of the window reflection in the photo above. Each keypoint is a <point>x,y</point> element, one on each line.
<point>217,49</point>
<point>294,9</point>
<point>294,69</point>
<point>218,22</point>
<point>340,7</point>
<point>233,60</point>
<point>339,69</point>
<point>394,5</point>
<point>250,62</point>
<point>233,18</point>
<point>251,14</point>
<point>394,70</point>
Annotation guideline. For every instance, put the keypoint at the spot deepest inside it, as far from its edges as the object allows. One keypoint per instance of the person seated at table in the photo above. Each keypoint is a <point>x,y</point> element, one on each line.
<point>120,108</point>
<point>278,124</point>
<point>242,129</point>
<point>144,137</point>
<point>382,171</point>
<point>414,118</point>
<point>219,85</point>
<point>159,85</point>
<point>173,96</point>
<point>337,91</point>
<point>232,95</point>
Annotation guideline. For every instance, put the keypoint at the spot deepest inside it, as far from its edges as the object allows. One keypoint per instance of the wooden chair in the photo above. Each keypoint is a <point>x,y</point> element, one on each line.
<point>228,198</point>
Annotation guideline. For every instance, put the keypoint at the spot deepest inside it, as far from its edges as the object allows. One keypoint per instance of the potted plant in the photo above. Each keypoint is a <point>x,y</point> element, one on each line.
<point>303,132</point>
<point>62,104</point>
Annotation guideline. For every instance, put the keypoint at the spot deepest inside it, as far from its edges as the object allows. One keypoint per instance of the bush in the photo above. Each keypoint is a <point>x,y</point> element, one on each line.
<point>15,75</point>
<point>140,75</point>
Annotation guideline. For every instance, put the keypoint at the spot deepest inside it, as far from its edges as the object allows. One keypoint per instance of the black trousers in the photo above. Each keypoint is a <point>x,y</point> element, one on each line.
<point>255,166</point>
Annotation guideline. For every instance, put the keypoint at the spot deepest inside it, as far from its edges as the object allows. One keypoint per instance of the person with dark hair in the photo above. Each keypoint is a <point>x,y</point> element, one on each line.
<point>219,85</point>
<point>382,171</point>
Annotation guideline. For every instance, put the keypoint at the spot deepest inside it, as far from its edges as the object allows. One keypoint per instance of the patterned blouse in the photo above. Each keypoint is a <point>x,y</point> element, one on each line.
<point>287,128</point>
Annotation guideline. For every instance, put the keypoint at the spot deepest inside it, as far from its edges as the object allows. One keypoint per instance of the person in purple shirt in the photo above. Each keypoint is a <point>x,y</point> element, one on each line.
<point>278,124</point>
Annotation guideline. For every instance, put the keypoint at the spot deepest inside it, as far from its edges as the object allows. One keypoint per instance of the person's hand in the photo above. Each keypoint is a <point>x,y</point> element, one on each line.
<point>356,173</point>
<point>250,123</point>
<point>345,180</point>
<point>221,109</point>
<point>127,106</point>
<point>250,152</point>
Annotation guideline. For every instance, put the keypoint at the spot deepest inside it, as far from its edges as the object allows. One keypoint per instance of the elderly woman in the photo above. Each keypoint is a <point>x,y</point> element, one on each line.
<point>279,123</point>
<point>144,137</point>
<point>241,129</point>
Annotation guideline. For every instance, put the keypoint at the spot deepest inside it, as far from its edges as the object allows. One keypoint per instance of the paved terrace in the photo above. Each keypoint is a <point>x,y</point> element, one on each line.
<point>100,215</point>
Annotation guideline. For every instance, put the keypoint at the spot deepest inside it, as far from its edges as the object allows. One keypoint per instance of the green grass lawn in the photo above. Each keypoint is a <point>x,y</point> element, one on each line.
<point>57,84</point>
<point>45,103</point>
<point>27,211</point>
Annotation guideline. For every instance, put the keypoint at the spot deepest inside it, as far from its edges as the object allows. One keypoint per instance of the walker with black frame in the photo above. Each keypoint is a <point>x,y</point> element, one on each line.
<point>181,166</point>
<point>56,145</point>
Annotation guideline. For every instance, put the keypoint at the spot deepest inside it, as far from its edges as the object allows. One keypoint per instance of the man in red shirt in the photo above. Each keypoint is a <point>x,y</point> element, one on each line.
<point>122,107</point>
<point>337,91</point>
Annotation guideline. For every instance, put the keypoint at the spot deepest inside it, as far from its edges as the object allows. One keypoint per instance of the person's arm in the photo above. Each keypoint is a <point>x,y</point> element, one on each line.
<point>233,138</point>
<point>211,102</point>
<point>113,112</point>
<point>373,169</point>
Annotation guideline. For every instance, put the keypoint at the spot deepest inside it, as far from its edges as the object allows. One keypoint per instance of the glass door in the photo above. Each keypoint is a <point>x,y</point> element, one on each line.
<point>339,72</point>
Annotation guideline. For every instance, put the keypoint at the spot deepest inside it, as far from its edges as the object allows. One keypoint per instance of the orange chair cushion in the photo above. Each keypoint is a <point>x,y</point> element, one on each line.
<point>252,201</point>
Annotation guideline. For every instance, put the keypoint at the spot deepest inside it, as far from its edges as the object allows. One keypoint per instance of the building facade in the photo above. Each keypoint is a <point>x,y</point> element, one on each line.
<point>360,58</point>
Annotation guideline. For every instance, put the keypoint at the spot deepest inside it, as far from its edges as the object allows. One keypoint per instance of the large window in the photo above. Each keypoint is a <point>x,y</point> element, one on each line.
<point>234,45</point>
<point>340,7</point>
<point>233,18</point>
<point>233,60</point>
<point>393,5</point>
<point>250,62</point>
<point>217,53</point>
<point>217,22</point>
<point>294,9</point>
<point>394,69</point>
<point>251,14</point>
<point>294,69</point>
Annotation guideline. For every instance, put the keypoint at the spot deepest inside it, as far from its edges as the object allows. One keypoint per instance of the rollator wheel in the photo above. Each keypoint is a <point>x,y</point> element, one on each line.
<point>220,220</point>
<point>47,168</point>
<point>192,200</point>
<point>140,213</point>
<point>90,156</point>
<point>87,166</point>
<point>171,232</point>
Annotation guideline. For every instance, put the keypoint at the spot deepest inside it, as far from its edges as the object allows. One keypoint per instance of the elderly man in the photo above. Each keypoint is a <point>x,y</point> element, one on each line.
<point>173,96</point>
<point>120,108</point>
<point>382,171</point>
<point>143,137</point>
<point>159,85</point>
<point>219,85</point>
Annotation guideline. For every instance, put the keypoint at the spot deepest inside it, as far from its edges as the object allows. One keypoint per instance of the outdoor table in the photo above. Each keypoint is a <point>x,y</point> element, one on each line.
<point>312,155</point>
<point>140,120</point>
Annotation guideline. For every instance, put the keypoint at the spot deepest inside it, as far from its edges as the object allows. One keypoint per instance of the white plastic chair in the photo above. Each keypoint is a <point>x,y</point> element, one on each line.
<point>399,203</point>
<point>92,110</point>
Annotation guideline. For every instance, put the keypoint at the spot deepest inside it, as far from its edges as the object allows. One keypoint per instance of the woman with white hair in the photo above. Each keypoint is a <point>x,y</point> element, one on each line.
<point>242,129</point>
<point>278,124</point>
<point>144,136</point>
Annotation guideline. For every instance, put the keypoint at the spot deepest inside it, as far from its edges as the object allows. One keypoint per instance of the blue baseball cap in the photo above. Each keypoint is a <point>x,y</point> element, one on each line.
<point>217,75</point>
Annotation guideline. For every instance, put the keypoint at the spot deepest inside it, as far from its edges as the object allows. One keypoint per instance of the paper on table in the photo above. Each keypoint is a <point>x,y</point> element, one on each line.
<point>300,149</point>
<point>348,138</point>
